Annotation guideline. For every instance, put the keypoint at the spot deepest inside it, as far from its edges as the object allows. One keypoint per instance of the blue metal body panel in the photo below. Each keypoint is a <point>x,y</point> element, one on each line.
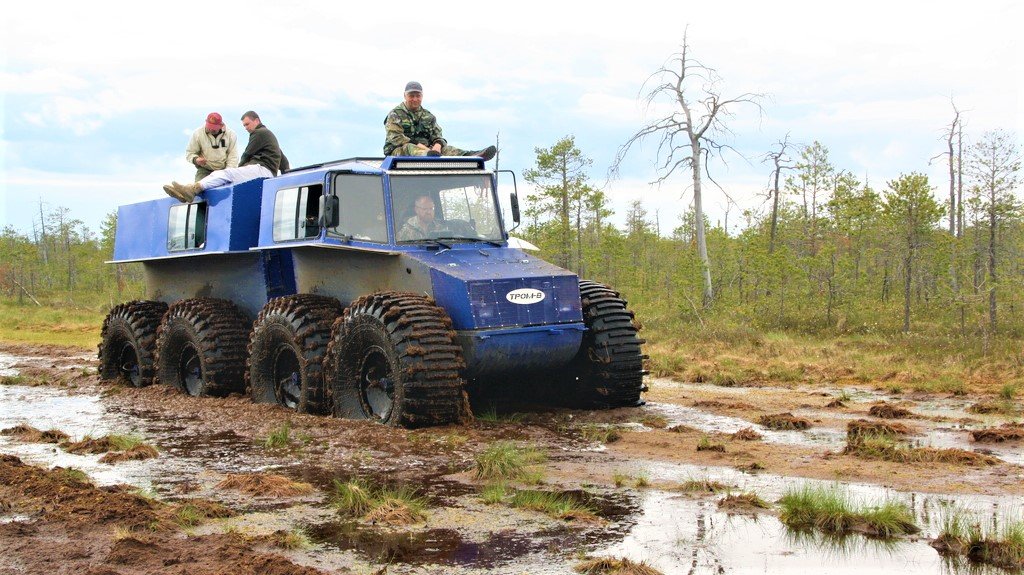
<point>472,284</point>
<point>241,262</point>
<point>519,350</point>
<point>232,224</point>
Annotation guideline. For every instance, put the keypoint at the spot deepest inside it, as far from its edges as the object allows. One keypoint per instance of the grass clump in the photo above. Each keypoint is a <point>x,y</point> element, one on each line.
<point>705,444</point>
<point>558,505</point>
<point>352,498</point>
<point>294,540</point>
<point>494,493</point>
<point>600,433</point>
<point>743,502</point>
<point>13,380</point>
<point>783,421</point>
<point>1002,547</point>
<point>654,421</point>
<point>280,437</point>
<point>884,446</point>
<point>505,461</point>
<point>193,513</point>
<point>703,485</point>
<point>1005,432</point>
<point>831,511</point>
<point>264,484</point>
<point>746,434</point>
<point>394,506</point>
<point>613,566</point>
<point>1008,392</point>
<point>887,411</point>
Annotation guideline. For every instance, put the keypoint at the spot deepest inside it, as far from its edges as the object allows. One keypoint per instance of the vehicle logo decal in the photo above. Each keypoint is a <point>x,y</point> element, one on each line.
<point>525,296</point>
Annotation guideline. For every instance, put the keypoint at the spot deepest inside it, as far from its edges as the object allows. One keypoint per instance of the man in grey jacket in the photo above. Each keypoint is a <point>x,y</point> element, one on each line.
<point>262,158</point>
<point>212,147</point>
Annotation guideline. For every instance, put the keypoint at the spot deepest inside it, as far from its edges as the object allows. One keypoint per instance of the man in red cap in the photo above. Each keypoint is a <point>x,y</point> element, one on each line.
<point>212,147</point>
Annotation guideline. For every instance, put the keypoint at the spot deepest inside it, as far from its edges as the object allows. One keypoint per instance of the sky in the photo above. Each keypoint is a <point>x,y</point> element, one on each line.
<point>98,99</point>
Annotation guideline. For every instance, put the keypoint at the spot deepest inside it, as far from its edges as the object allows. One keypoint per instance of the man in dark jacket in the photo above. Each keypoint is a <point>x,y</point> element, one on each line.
<point>262,158</point>
<point>411,130</point>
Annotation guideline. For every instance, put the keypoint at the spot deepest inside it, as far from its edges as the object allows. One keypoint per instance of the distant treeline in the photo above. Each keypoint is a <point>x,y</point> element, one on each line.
<point>834,255</point>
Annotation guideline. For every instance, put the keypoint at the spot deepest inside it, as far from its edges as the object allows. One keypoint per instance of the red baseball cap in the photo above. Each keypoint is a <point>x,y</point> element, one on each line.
<point>214,122</point>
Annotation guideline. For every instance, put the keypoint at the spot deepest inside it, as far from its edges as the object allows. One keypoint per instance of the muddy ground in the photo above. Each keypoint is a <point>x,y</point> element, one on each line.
<point>140,516</point>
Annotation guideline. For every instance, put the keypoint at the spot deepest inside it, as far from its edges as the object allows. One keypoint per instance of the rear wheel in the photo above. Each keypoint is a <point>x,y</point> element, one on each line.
<point>608,370</point>
<point>289,341</point>
<point>201,347</point>
<point>393,358</point>
<point>128,342</point>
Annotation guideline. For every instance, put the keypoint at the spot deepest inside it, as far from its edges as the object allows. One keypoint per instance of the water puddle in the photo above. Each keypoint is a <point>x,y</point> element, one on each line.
<point>944,437</point>
<point>680,533</point>
<point>713,423</point>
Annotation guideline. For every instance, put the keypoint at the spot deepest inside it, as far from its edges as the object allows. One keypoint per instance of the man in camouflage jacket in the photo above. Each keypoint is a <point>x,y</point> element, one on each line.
<point>413,131</point>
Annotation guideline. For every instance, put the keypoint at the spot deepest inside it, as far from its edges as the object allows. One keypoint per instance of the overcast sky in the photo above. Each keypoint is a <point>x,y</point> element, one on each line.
<point>99,98</point>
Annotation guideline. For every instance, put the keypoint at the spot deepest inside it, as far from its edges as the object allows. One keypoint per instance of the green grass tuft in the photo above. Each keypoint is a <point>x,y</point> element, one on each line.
<point>830,510</point>
<point>494,493</point>
<point>558,505</point>
<point>504,460</point>
<point>280,437</point>
<point>352,498</point>
<point>600,433</point>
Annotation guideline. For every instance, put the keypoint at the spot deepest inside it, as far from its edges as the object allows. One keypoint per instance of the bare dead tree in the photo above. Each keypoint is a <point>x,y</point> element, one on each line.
<point>781,161</point>
<point>951,135</point>
<point>691,133</point>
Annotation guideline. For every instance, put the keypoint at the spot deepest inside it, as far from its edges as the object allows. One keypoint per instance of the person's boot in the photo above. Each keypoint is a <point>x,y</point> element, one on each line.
<point>486,153</point>
<point>184,192</point>
<point>171,191</point>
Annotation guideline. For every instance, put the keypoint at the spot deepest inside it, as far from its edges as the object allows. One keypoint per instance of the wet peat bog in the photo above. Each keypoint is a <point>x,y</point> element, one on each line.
<point>202,442</point>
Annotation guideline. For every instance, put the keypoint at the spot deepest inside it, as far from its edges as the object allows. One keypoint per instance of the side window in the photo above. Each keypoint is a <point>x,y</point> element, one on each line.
<point>295,213</point>
<point>361,203</point>
<point>186,227</point>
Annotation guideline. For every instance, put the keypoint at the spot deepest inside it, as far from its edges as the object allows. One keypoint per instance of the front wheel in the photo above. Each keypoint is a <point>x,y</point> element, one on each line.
<point>201,347</point>
<point>393,359</point>
<point>608,369</point>
<point>289,340</point>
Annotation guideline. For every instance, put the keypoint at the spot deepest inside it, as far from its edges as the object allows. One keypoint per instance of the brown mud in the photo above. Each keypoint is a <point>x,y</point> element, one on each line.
<point>216,450</point>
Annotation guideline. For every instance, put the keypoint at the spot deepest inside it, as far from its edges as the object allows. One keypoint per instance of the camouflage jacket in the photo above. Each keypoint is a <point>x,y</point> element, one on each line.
<point>404,126</point>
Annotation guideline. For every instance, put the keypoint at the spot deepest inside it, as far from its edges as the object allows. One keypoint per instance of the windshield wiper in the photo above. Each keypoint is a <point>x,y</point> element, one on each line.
<point>431,241</point>
<point>460,238</point>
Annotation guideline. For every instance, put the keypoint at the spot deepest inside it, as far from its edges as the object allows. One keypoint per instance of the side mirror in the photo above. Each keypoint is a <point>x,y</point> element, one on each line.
<point>515,207</point>
<point>330,214</point>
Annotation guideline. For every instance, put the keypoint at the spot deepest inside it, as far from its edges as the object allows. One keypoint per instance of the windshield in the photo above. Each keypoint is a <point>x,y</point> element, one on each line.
<point>444,206</point>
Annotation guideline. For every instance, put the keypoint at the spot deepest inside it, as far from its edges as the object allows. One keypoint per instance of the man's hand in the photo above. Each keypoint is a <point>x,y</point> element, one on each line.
<point>421,147</point>
<point>200,161</point>
<point>436,147</point>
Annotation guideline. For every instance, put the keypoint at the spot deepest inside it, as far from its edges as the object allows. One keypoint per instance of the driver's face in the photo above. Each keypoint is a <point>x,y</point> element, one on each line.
<point>425,210</point>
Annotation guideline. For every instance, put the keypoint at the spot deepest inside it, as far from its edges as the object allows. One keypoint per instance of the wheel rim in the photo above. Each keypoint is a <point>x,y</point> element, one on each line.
<point>128,365</point>
<point>287,377</point>
<point>190,370</point>
<point>376,383</point>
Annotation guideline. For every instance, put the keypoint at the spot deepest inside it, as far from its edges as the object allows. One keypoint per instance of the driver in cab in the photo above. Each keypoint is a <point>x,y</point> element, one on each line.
<point>422,224</point>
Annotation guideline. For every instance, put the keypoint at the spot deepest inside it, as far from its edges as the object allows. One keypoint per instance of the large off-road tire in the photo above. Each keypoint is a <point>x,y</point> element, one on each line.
<point>608,370</point>
<point>286,352</point>
<point>128,342</point>
<point>201,347</point>
<point>393,358</point>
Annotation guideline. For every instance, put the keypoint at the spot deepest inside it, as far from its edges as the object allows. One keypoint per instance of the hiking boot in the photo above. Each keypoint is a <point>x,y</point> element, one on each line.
<point>170,190</point>
<point>433,153</point>
<point>184,193</point>
<point>486,153</point>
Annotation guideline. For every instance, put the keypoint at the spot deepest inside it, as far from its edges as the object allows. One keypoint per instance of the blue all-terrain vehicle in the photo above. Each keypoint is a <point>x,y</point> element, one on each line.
<point>306,290</point>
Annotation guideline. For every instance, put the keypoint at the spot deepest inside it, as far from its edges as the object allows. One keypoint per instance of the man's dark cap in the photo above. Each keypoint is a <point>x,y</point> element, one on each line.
<point>413,87</point>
